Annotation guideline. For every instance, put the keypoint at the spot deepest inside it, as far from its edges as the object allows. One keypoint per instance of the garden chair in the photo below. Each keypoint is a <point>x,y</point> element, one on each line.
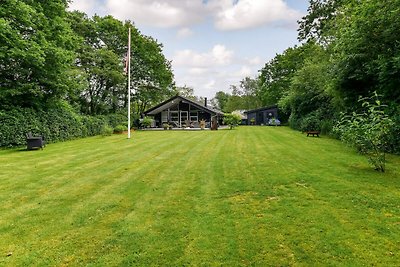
<point>34,142</point>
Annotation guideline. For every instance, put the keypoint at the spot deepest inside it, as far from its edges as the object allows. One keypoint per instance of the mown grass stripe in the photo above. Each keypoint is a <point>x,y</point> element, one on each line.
<point>251,196</point>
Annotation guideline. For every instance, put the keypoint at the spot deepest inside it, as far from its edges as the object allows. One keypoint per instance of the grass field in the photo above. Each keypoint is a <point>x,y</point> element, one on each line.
<point>262,196</point>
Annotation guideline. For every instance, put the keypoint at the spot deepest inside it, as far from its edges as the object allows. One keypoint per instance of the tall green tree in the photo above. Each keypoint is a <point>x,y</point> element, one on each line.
<point>221,99</point>
<point>276,76</point>
<point>245,96</point>
<point>36,52</point>
<point>318,25</point>
<point>101,58</point>
<point>366,51</point>
<point>151,72</point>
<point>309,96</point>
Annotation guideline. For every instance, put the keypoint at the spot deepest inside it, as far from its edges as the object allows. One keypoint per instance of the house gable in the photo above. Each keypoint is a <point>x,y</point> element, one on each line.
<point>181,112</point>
<point>175,101</point>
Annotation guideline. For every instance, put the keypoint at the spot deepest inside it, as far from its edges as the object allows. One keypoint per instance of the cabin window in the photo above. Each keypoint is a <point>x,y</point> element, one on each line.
<point>164,116</point>
<point>174,116</point>
<point>194,116</point>
<point>184,116</point>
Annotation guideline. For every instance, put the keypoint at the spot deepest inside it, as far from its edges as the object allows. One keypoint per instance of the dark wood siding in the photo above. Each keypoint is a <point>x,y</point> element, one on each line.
<point>262,115</point>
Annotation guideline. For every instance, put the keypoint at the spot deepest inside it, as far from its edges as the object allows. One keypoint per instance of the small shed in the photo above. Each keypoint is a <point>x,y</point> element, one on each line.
<point>262,116</point>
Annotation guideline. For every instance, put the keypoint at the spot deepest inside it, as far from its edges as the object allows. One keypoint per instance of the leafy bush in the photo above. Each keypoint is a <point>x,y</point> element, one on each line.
<point>368,131</point>
<point>120,129</point>
<point>107,130</point>
<point>295,122</point>
<point>59,123</point>
<point>117,119</point>
<point>326,127</point>
<point>310,122</point>
<point>146,122</point>
<point>92,125</point>
<point>232,120</point>
<point>394,135</point>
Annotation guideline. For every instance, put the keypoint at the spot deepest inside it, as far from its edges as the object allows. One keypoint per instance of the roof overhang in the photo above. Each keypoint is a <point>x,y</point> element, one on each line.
<point>261,109</point>
<point>164,106</point>
<point>174,101</point>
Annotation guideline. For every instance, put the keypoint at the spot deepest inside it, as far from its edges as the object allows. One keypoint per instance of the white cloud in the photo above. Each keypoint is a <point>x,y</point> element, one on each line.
<point>245,71</point>
<point>213,80</point>
<point>197,71</point>
<point>218,55</point>
<point>221,55</point>
<point>90,7</point>
<point>251,13</point>
<point>85,6</point>
<point>256,61</point>
<point>164,14</point>
<point>228,14</point>
<point>210,84</point>
<point>184,33</point>
<point>213,70</point>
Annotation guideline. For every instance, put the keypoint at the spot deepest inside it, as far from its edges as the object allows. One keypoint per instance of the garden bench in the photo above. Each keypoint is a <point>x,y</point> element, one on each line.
<point>33,142</point>
<point>313,133</point>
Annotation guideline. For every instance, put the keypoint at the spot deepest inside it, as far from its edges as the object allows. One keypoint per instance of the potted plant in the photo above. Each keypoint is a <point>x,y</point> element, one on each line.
<point>146,122</point>
<point>202,124</point>
<point>166,126</point>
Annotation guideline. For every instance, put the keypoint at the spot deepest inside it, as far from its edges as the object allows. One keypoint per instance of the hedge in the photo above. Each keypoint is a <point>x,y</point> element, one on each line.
<point>59,124</point>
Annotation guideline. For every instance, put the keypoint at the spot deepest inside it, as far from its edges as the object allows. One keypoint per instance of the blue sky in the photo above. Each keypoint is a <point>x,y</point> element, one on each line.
<point>212,43</point>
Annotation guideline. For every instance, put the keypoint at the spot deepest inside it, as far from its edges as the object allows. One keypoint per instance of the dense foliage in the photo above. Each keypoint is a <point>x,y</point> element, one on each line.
<point>367,131</point>
<point>36,52</point>
<point>58,123</point>
<point>349,50</point>
<point>51,57</point>
<point>232,120</point>
<point>245,96</point>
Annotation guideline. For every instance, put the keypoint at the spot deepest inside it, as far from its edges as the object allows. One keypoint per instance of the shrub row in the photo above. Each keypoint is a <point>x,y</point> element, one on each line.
<point>310,122</point>
<point>58,124</point>
<point>394,135</point>
<point>319,121</point>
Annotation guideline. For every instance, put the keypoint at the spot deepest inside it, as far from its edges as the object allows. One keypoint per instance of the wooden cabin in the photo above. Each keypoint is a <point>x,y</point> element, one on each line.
<point>182,112</point>
<point>262,116</point>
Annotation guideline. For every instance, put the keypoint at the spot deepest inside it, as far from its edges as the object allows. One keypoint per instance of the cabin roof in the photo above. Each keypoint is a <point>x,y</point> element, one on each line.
<point>174,100</point>
<point>261,109</point>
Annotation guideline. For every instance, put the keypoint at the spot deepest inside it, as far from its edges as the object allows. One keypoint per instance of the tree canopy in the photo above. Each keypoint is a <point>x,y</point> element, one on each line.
<point>36,52</point>
<point>49,54</point>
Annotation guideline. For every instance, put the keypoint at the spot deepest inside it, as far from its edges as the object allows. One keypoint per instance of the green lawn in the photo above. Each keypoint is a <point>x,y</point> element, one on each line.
<point>251,196</point>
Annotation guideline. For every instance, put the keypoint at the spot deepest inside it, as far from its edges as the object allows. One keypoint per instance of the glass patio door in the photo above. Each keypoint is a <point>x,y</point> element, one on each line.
<point>174,118</point>
<point>184,118</point>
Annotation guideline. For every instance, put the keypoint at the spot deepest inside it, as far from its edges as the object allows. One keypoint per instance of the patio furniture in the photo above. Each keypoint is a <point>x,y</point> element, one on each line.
<point>196,124</point>
<point>313,133</point>
<point>34,142</point>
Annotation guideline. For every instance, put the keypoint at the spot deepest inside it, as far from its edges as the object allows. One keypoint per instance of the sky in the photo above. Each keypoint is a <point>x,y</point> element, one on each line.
<point>212,44</point>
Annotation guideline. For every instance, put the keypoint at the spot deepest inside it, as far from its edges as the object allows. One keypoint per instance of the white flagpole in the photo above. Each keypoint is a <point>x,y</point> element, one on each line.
<point>129,83</point>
